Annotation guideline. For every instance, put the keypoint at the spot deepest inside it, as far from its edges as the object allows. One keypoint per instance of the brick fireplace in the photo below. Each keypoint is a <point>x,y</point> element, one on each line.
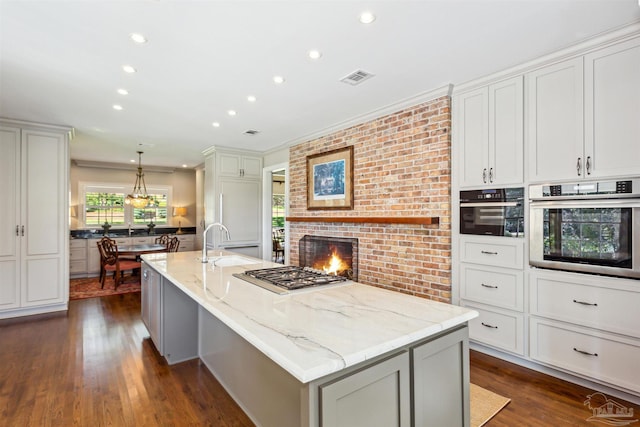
<point>402,169</point>
<point>334,255</point>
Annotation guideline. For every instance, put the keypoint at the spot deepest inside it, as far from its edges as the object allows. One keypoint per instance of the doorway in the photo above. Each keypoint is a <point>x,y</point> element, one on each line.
<point>275,201</point>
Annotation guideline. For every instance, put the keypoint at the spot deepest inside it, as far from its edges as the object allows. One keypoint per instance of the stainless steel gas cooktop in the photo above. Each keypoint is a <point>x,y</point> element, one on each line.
<point>283,280</point>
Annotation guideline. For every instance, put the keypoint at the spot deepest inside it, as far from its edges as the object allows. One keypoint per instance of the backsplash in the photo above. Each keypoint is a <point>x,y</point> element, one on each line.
<point>402,168</point>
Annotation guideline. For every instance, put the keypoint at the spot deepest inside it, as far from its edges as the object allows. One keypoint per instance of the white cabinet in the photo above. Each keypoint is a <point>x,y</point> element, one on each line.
<point>78,257</point>
<point>151,304</point>
<point>612,110</point>
<point>93,256</point>
<point>583,116</point>
<point>239,165</point>
<point>555,121</point>
<point>234,198</point>
<point>489,133</point>
<point>34,269</point>
<point>492,282</point>
<point>586,325</point>
<point>187,242</point>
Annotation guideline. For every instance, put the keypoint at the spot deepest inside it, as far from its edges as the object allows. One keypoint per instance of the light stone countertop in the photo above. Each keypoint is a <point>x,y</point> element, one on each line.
<point>312,332</point>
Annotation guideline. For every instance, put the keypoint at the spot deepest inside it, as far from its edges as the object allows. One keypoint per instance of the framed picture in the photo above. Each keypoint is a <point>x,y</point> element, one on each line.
<point>330,179</point>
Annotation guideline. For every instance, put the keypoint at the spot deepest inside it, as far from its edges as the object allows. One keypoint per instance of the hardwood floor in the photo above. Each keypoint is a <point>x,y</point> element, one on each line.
<point>95,366</point>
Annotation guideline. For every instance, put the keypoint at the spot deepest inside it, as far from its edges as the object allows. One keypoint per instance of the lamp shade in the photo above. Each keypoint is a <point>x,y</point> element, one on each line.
<point>182,211</point>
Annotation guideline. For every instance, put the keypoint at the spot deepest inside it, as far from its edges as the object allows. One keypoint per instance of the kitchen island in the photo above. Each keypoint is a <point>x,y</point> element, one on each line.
<point>346,354</point>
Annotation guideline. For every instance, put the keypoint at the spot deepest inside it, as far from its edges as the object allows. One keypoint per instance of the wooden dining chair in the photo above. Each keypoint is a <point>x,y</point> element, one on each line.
<point>173,245</point>
<point>163,240</point>
<point>109,261</point>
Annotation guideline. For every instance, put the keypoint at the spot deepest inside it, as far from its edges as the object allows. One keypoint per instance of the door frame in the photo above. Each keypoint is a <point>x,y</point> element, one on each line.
<point>267,194</point>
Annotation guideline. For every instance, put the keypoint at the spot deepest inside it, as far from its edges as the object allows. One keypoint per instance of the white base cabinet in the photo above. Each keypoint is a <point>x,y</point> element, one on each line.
<point>34,233</point>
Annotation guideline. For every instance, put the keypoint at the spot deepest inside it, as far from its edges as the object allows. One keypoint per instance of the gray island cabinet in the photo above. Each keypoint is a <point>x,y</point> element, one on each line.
<point>349,355</point>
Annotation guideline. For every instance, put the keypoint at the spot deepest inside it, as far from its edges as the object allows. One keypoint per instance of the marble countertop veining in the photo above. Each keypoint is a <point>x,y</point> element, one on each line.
<point>312,332</point>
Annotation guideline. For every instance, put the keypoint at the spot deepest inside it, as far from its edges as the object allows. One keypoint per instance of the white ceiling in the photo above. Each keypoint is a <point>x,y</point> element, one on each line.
<point>60,63</point>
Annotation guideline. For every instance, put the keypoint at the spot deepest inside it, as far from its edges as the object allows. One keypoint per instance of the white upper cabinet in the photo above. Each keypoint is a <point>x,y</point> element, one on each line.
<point>584,116</point>
<point>489,121</point>
<point>239,166</point>
<point>555,121</point>
<point>612,110</point>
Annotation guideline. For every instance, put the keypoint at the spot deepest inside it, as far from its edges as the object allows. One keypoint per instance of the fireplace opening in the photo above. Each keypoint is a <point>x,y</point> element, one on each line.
<point>333,255</point>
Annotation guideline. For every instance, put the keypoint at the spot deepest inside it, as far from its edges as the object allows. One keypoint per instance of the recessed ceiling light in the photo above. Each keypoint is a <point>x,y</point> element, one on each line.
<point>138,38</point>
<point>123,92</point>
<point>184,166</point>
<point>314,54</point>
<point>128,69</point>
<point>215,124</point>
<point>117,107</point>
<point>232,112</point>
<point>132,161</point>
<point>367,17</point>
<point>278,79</point>
<point>251,98</point>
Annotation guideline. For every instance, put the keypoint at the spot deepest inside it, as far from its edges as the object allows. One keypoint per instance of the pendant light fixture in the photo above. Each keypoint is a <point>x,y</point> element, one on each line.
<point>139,198</point>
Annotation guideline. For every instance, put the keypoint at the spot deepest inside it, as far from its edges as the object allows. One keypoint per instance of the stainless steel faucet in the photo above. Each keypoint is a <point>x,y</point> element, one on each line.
<point>204,238</point>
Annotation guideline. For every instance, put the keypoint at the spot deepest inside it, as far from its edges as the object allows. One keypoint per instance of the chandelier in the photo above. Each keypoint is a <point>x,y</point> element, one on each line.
<point>139,199</point>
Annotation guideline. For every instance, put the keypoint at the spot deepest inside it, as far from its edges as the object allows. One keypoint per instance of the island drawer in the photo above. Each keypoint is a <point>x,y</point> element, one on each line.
<point>497,328</point>
<point>592,354</point>
<point>494,286</point>
<point>576,298</point>
<point>506,253</point>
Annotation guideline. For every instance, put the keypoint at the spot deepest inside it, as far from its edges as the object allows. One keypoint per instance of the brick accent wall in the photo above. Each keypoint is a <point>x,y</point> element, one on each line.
<point>402,168</point>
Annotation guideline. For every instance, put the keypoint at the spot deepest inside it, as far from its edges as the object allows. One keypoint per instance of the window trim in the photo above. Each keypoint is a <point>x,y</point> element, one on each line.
<point>91,186</point>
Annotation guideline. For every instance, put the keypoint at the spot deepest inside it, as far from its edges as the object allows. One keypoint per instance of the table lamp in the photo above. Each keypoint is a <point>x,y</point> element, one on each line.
<point>182,211</point>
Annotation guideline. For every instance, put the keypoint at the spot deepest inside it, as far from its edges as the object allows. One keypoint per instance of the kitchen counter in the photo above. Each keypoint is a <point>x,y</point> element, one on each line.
<point>311,332</point>
<point>316,356</point>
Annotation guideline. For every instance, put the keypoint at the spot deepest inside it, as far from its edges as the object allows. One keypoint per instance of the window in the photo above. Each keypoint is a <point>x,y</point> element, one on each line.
<point>105,203</point>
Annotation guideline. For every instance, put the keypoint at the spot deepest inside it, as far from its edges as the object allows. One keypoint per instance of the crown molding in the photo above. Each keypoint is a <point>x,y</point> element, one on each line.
<point>121,166</point>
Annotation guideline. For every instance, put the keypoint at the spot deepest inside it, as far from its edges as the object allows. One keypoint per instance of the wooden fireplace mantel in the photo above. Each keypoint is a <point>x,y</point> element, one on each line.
<point>423,220</point>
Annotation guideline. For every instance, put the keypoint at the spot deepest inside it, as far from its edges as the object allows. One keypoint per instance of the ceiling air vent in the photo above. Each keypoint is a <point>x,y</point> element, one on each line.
<point>356,77</point>
<point>251,132</point>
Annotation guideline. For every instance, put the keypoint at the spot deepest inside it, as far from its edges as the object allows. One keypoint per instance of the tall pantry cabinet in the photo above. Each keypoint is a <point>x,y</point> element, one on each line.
<point>34,227</point>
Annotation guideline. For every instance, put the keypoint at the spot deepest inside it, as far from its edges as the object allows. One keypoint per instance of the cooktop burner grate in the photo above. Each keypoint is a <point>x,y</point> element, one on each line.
<point>289,277</point>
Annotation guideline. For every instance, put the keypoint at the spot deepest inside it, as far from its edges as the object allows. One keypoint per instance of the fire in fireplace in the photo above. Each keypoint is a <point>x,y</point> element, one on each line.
<point>333,255</point>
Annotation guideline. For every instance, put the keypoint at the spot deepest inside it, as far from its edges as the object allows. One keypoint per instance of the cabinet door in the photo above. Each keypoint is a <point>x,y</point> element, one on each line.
<point>441,381</point>
<point>44,204</point>
<point>472,136</point>
<point>93,256</point>
<point>612,110</point>
<point>506,132</point>
<point>375,396</point>
<point>240,202</point>
<point>251,167</point>
<point>155,309</point>
<point>555,117</point>
<point>9,239</point>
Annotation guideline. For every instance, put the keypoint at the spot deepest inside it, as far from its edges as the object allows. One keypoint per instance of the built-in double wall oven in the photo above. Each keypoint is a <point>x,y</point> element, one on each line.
<point>591,227</point>
<point>492,212</point>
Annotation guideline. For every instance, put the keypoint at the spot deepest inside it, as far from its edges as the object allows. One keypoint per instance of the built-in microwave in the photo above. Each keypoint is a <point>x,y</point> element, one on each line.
<point>589,227</point>
<point>492,212</point>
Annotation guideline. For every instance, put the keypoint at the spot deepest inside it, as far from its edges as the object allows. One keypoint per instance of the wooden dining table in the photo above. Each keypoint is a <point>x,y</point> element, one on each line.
<point>141,249</point>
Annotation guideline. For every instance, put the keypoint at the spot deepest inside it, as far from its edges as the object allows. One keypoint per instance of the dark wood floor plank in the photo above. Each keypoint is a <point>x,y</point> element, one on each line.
<point>96,366</point>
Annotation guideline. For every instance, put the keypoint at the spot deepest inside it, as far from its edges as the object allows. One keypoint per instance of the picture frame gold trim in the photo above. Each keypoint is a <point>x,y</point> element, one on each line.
<point>330,180</point>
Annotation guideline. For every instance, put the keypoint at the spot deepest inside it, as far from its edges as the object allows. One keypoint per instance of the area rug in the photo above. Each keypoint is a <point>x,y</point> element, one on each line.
<point>90,287</point>
<point>484,405</point>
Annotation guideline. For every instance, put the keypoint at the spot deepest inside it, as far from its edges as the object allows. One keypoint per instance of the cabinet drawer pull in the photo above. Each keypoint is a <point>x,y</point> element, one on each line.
<point>488,286</point>
<point>484,175</point>
<point>490,326</point>
<point>17,230</point>
<point>579,166</point>
<point>594,304</point>
<point>491,175</point>
<point>489,253</point>
<point>586,353</point>
<point>22,231</point>
<point>588,165</point>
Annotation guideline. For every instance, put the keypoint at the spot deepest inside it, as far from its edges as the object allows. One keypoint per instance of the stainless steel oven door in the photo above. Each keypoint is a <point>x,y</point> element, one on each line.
<point>591,236</point>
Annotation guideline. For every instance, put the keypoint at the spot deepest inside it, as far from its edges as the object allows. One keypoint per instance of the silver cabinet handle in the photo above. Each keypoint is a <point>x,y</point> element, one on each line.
<point>488,286</point>
<point>586,303</point>
<point>489,253</point>
<point>588,165</point>
<point>490,326</point>
<point>586,353</point>
<point>22,230</point>
<point>484,175</point>
<point>579,166</point>
<point>17,230</point>
<point>491,175</point>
